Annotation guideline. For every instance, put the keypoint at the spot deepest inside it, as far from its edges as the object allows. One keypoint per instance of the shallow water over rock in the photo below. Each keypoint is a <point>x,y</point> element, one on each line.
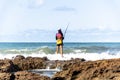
<point>45,72</point>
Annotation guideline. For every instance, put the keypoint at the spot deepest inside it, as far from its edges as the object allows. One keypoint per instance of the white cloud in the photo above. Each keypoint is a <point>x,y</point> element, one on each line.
<point>39,2</point>
<point>35,3</point>
<point>64,8</point>
<point>30,3</point>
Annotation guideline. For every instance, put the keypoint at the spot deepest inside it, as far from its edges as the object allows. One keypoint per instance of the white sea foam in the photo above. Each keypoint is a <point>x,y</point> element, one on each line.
<point>88,51</point>
<point>86,56</point>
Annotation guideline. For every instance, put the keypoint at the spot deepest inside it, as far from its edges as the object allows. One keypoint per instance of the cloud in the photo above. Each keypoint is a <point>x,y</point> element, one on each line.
<point>39,2</point>
<point>64,8</point>
<point>31,3</point>
<point>35,3</point>
<point>38,35</point>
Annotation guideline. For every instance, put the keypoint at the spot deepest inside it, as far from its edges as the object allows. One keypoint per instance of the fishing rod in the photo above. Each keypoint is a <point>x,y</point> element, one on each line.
<point>66,29</point>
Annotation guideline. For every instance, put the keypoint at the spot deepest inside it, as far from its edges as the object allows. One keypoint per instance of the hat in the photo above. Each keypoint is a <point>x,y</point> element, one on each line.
<point>59,29</point>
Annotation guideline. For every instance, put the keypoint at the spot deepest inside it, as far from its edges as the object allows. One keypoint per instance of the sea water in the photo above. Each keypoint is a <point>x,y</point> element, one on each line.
<point>88,51</point>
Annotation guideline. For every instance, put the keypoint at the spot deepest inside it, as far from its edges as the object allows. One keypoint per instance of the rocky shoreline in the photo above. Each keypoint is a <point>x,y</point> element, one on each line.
<point>74,69</point>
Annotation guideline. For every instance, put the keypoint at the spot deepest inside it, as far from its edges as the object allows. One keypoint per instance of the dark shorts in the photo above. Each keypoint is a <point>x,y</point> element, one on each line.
<point>59,44</point>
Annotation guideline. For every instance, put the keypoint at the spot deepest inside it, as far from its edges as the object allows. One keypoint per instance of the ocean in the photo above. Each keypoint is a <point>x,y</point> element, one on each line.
<point>88,51</point>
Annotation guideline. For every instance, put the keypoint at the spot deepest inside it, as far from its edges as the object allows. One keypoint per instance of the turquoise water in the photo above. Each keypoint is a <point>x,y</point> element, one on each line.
<point>69,48</point>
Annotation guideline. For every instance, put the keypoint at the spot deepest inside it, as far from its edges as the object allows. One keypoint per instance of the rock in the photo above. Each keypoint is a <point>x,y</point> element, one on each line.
<point>6,76</point>
<point>7,66</point>
<point>24,75</point>
<point>29,62</point>
<point>63,64</point>
<point>19,57</point>
<point>74,69</point>
<point>91,70</point>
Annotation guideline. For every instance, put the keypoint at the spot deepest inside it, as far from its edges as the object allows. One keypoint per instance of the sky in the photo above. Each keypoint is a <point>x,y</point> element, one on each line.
<point>39,20</point>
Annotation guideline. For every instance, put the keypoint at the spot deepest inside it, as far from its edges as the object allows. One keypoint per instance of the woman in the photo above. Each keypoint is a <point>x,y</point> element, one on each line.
<point>59,42</point>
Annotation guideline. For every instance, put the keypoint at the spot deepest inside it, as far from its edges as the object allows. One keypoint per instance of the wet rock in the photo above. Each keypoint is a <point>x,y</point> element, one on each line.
<point>29,62</point>
<point>74,69</point>
<point>24,75</point>
<point>63,64</point>
<point>6,76</point>
<point>7,66</point>
<point>91,70</point>
<point>58,78</point>
<point>19,57</point>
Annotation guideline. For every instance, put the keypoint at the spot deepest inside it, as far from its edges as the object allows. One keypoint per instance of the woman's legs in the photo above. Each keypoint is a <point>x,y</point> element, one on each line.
<point>57,48</point>
<point>61,50</point>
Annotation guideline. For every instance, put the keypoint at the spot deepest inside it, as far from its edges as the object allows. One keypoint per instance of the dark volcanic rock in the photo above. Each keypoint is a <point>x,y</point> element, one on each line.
<point>7,66</point>
<point>63,64</point>
<point>74,69</point>
<point>6,76</point>
<point>29,63</point>
<point>91,70</point>
<point>24,75</point>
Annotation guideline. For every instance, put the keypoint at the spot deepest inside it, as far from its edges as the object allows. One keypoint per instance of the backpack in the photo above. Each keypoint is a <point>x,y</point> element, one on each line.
<point>59,36</point>
<point>59,41</point>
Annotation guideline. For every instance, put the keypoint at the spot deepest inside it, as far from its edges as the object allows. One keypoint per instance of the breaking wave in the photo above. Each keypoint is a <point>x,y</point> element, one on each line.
<point>88,53</point>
